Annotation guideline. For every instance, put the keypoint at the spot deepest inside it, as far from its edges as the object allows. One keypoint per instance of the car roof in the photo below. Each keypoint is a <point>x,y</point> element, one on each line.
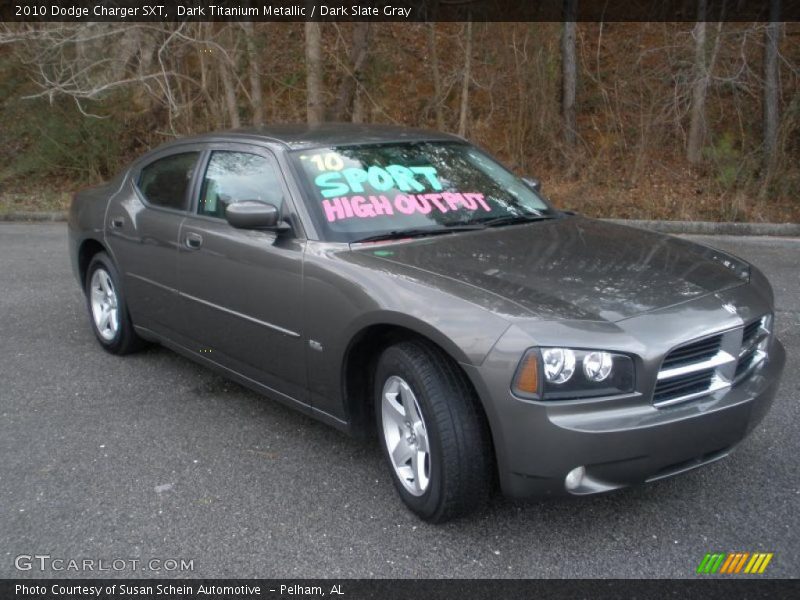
<point>300,136</point>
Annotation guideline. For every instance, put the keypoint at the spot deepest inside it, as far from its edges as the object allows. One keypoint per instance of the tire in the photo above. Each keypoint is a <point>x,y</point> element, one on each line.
<point>455,476</point>
<point>108,311</point>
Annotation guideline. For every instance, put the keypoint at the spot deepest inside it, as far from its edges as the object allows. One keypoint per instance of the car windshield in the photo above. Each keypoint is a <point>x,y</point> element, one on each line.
<point>358,192</point>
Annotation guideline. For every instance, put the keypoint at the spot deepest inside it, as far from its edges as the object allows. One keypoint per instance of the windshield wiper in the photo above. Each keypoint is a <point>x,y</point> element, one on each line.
<point>409,233</point>
<point>512,219</point>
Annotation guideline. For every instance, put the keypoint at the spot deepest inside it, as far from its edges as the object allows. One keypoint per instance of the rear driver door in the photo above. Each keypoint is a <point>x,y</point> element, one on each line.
<point>142,228</point>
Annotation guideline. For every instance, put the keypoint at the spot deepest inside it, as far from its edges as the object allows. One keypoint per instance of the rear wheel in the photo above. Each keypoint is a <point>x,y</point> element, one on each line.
<point>108,311</point>
<point>434,435</point>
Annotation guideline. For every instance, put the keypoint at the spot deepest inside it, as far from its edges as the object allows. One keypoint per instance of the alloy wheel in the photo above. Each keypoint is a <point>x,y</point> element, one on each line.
<point>405,435</point>
<point>105,309</point>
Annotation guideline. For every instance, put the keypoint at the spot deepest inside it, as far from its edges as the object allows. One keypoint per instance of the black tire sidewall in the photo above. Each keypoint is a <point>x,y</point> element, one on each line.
<point>395,362</point>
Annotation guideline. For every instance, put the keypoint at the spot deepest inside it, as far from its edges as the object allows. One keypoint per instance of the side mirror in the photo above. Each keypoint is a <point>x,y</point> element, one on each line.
<point>251,214</point>
<point>533,183</point>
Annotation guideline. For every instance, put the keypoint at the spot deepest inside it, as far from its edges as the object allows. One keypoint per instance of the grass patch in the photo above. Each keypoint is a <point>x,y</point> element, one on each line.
<point>41,200</point>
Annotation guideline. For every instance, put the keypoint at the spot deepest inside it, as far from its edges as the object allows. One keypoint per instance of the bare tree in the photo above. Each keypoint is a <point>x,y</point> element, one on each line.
<point>80,61</point>
<point>437,76</point>
<point>569,72</point>
<point>314,102</point>
<point>76,61</point>
<point>352,81</point>
<point>227,66</point>
<point>771,83</point>
<point>254,69</point>
<point>465,80</point>
<point>697,123</point>
<point>703,69</point>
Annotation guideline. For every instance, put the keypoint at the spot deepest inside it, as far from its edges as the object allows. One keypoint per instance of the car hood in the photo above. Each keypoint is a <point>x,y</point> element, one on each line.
<point>571,267</point>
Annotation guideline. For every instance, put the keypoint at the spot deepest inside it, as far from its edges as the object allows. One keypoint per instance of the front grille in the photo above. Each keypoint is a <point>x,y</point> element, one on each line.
<point>693,353</point>
<point>683,385</point>
<point>710,364</point>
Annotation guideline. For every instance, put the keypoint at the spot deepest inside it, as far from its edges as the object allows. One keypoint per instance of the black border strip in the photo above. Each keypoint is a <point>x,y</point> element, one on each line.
<point>702,587</point>
<point>417,10</point>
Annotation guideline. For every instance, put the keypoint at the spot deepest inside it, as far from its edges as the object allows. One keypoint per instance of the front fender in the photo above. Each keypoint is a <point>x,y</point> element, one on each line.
<point>343,299</point>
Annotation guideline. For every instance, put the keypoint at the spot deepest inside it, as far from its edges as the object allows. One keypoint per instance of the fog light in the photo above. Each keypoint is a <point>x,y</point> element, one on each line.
<point>574,478</point>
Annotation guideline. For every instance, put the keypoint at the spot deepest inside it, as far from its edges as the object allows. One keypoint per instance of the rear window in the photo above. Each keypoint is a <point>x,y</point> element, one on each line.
<point>165,182</point>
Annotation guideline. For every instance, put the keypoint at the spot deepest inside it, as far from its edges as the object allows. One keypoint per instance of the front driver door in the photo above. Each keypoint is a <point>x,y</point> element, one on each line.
<point>241,289</point>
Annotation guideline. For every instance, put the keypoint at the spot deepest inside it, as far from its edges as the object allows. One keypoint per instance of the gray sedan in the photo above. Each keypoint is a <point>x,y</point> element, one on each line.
<point>403,281</point>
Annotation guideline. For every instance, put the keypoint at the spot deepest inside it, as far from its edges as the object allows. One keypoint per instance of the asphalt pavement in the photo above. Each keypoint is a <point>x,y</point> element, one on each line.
<point>154,457</point>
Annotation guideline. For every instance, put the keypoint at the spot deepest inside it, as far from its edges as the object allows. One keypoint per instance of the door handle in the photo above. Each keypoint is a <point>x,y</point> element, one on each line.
<point>117,223</point>
<point>193,240</point>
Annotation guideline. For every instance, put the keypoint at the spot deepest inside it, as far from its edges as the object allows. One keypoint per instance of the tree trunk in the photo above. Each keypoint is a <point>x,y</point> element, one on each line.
<point>352,81</point>
<point>147,48</point>
<point>697,123</point>
<point>254,66</point>
<point>437,77</point>
<point>314,102</point>
<point>771,84</point>
<point>569,72</point>
<point>229,87</point>
<point>464,112</point>
<point>359,107</point>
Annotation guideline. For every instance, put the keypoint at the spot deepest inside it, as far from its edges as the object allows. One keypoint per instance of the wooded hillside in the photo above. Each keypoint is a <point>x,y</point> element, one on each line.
<point>642,120</point>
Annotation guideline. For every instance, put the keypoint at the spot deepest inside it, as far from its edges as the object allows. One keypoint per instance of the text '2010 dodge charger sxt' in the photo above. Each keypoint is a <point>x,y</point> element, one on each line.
<point>402,280</point>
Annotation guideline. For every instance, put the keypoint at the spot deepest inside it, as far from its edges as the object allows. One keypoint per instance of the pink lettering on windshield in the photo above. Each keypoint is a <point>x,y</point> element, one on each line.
<point>479,199</point>
<point>360,207</point>
<point>367,207</point>
<point>453,201</point>
<point>382,205</point>
<point>333,209</point>
<point>423,205</point>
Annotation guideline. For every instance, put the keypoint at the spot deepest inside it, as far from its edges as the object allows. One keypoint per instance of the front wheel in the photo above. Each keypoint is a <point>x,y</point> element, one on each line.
<point>434,435</point>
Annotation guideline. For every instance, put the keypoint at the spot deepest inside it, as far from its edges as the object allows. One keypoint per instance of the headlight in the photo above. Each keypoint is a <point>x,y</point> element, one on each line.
<point>570,373</point>
<point>559,364</point>
<point>597,366</point>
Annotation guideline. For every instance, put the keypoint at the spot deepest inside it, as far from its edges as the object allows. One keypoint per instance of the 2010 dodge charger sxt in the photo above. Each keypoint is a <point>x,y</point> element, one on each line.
<point>402,280</point>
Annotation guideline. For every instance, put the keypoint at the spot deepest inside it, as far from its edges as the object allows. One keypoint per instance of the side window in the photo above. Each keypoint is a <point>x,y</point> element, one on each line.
<point>237,176</point>
<point>165,181</point>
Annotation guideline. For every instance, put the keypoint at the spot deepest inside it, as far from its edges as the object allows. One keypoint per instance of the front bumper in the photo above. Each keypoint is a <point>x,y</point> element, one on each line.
<point>620,442</point>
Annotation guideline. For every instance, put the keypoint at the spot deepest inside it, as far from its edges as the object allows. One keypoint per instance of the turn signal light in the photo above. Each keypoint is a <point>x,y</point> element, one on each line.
<point>527,378</point>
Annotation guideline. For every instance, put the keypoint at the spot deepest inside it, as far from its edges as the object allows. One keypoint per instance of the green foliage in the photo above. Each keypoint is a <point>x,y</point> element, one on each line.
<point>727,161</point>
<point>65,142</point>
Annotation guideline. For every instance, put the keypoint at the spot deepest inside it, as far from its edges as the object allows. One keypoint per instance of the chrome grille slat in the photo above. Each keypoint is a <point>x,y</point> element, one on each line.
<point>713,363</point>
<point>720,357</point>
<point>691,353</point>
<point>686,381</point>
<point>685,385</point>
